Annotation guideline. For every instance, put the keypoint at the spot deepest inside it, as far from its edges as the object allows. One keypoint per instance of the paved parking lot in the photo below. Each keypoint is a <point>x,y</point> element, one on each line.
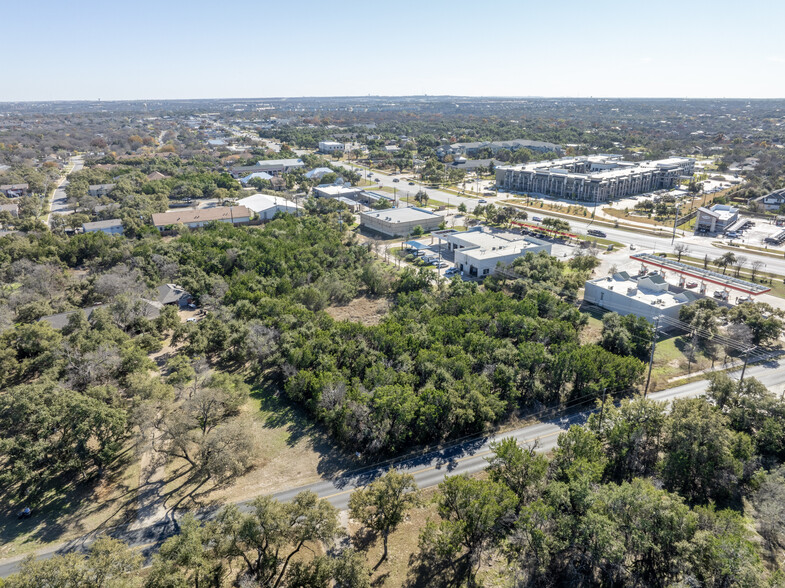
<point>757,235</point>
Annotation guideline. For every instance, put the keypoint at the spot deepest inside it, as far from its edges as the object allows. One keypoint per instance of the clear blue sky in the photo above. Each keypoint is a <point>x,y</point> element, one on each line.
<point>137,49</point>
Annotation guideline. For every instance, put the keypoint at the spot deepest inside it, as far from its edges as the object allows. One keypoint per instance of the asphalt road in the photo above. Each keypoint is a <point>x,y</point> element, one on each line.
<point>404,189</point>
<point>428,469</point>
<point>59,200</point>
<point>698,246</point>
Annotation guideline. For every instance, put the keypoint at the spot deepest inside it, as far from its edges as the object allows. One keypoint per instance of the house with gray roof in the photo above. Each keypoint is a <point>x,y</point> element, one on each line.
<point>113,226</point>
<point>173,294</point>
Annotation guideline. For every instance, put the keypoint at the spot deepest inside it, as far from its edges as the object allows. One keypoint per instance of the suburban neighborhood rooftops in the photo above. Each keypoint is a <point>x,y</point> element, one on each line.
<point>14,187</point>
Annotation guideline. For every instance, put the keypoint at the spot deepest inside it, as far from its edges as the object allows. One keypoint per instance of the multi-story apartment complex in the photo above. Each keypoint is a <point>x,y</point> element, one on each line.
<point>596,178</point>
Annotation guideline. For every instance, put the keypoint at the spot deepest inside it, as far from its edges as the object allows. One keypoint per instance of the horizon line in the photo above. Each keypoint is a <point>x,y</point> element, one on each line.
<point>396,96</point>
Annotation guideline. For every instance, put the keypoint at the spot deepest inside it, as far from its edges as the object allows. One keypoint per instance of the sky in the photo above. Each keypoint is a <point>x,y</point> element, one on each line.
<point>179,49</point>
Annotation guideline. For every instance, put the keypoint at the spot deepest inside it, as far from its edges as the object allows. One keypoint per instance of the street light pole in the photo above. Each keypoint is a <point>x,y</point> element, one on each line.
<point>675,222</point>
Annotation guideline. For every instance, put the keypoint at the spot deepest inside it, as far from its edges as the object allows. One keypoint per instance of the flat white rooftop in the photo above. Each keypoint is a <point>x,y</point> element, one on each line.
<point>337,190</point>
<point>479,239</point>
<point>401,215</point>
<point>623,284</point>
<point>511,247</point>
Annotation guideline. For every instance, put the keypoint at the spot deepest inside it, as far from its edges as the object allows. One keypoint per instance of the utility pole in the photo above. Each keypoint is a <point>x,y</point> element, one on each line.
<point>675,222</point>
<point>651,357</point>
<point>744,367</point>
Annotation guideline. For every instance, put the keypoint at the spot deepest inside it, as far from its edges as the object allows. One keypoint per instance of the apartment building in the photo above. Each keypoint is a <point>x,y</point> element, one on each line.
<point>597,178</point>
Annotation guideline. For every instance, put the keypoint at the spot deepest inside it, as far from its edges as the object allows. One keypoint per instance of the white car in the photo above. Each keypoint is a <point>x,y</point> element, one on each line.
<point>193,319</point>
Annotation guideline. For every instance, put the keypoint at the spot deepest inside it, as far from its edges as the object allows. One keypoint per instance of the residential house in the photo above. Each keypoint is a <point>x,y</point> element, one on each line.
<point>14,190</point>
<point>318,173</point>
<point>13,209</point>
<point>99,190</point>
<point>173,294</point>
<point>112,226</point>
<point>260,175</point>
<point>772,201</point>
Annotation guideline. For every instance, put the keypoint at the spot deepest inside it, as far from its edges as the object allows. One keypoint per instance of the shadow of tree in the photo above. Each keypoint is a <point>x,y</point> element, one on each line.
<point>428,570</point>
<point>282,413</point>
<point>64,507</point>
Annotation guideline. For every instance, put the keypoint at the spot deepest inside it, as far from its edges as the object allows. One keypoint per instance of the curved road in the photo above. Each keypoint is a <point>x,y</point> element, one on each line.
<point>428,469</point>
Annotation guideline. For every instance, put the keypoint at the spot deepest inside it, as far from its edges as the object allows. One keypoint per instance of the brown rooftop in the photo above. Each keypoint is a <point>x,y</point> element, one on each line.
<point>201,215</point>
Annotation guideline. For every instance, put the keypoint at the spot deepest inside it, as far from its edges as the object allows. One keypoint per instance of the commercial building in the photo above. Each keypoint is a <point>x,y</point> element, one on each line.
<point>335,190</point>
<point>273,167</point>
<point>266,206</point>
<point>99,190</point>
<point>194,218</point>
<point>14,190</point>
<point>648,295</point>
<point>473,148</point>
<point>112,226</point>
<point>596,178</point>
<point>478,252</point>
<point>331,147</point>
<point>716,219</point>
<point>397,222</point>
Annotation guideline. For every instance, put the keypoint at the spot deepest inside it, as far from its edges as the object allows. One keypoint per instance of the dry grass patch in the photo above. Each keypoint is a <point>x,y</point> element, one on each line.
<point>368,311</point>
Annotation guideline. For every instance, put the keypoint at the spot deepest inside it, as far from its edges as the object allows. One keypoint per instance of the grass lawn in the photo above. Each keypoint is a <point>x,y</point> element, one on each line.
<point>670,362</point>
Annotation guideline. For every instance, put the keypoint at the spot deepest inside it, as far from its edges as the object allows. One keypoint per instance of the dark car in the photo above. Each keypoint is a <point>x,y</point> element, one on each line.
<point>411,183</point>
